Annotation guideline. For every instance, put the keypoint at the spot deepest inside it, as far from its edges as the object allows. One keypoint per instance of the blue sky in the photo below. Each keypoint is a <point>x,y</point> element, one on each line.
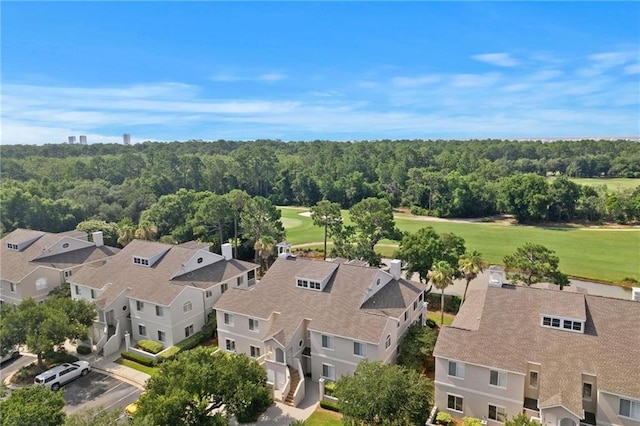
<point>328,70</point>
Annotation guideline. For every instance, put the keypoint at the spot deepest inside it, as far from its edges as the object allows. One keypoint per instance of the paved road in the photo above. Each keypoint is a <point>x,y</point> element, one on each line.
<point>97,390</point>
<point>13,365</point>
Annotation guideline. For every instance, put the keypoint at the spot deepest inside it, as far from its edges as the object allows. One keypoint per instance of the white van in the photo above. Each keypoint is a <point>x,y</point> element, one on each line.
<point>64,373</point>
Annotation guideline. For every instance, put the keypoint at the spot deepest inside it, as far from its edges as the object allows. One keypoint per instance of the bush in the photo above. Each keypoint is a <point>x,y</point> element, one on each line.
<point>471,421</point>
<point>431,323</point>
<point>210,328</point>
<point>329,405</point>
<point>150,346</point>
<point>169,353</point>
<point>453,305</point>
<point>191,342</point>
<point>444,418</point>
<point>329,388</point>
<point>60,357</point>
<point>419,211</point>
<point>140,359</point>
<point>84,350</point>
<point>629,280</point>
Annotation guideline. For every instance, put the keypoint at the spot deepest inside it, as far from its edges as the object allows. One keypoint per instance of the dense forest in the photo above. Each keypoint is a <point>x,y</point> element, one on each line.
<point>55,187</point>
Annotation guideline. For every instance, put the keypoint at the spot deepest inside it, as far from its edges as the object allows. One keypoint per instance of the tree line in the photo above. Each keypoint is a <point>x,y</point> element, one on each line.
<point>55,187</point>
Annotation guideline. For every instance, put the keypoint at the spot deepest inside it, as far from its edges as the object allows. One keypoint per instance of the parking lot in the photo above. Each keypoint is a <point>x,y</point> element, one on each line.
<point>98,390</point>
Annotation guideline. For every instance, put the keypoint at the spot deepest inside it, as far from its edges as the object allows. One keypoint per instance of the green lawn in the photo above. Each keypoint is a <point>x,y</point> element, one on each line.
<point>601,255</point>
<point>322,417</point>
<point>435,316</point>
<point>152,371</point>
<point>613,184</point>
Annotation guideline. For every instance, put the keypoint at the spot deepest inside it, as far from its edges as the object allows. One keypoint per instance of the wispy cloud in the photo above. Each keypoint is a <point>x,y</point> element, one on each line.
<point>497,59</point>
<point>268,77</point>
<point>415,81</point>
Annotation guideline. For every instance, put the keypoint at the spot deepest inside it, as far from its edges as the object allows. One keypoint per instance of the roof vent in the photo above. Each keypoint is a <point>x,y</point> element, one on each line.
<point>496,276</point>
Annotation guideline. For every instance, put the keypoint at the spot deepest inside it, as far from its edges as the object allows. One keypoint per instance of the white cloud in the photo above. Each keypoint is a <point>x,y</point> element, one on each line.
<point>474,80</point>
<point>632,68</point>
<point>415,81</point>
<point>544,75</point>
<point>612,59</point>
<point>268,77</point>
<point>272,76</point>
<point>497,59</point>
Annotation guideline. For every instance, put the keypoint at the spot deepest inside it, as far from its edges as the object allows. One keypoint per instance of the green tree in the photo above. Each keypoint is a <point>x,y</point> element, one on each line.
<point>237,199</point>
<point>126,231</point>
<point>261,218</point>
<point>94,417</point>
<point>526,196</point>
<point>33,406</point>
<point>109,230</point>
<point>520,420</point>
<point>264,249</point>
<point>417,345</point>
<point>441,276</point>
<point>327,215</point>
<point>382,394</point>
<point>532,263</point>
<point>470,264</point>
<point>212,214</point>
<point>420,250</point>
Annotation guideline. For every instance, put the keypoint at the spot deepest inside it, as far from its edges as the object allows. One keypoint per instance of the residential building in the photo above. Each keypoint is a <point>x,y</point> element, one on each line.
<point>83,139</point>
<point>72,140</point>
<point>562,357</point>
<point>126,139</point>
<point>35,262</point>
<point>157,291</point>
<point>318,319</point>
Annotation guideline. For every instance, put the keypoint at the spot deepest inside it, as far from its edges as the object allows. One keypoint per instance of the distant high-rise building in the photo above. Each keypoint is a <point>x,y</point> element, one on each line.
<point>126,139</point>
<point>83,140</point>
<point>72,140</point>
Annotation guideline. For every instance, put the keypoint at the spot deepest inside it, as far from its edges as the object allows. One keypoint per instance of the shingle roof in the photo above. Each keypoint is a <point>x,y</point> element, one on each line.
<point>510,315</point>
<point>154,283</point>
<point>340,309</point>
<point>18,264</point>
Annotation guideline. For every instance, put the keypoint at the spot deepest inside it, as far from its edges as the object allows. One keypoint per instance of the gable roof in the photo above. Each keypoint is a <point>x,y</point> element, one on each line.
<point>18,264</point>
<point>154,283</point>
<point>512,315</point>
<point>337,310</point>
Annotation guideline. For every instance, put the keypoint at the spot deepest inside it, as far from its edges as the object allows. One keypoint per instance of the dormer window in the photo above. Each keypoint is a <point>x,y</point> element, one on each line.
<point>563,324</point>
<point>140,261</point>
<point>313,285</point>
<point>12,246</point>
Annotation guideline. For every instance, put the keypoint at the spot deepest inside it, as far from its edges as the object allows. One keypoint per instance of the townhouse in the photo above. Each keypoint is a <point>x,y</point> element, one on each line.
<point>562,357</point>
<point>33,263</point>
<point>157,291</point>
<point>318,319</point>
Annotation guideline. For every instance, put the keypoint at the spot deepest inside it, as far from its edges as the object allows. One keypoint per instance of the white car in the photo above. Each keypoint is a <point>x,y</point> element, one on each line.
<point>64,373</point>
<point>9,355</point>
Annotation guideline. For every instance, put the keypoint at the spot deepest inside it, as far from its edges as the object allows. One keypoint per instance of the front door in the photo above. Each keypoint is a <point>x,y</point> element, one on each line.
<point>110,318</point>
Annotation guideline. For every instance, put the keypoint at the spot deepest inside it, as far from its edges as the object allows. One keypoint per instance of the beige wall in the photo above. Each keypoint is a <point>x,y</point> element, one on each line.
<point>59,246</point>
<point>50,277</point>
<point>608,409</point>
<point>476,391</point>
<point>553,416</point>
<point>592,404</point>
<point>239,332</point>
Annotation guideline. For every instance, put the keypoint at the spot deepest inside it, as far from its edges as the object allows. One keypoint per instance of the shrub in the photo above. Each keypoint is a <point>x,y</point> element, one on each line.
<point>60,357</point>
<point>140,359</point>
<point>191,342</point>
<point>84,350</point>
<point>629,280</point>
<point>471,421</point>
<point>330,405</point>
<point>169,353</point>
<point>444,418</point>
<point>431,323</point>
<point>150,346</point>
<point>210,328</point>
<point>419,211</point>
<point>298,423</point>
<point>329,388</point>
<point>453,305</point>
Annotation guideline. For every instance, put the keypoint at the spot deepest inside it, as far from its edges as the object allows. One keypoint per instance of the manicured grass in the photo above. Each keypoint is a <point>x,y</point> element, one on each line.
<point>435,316</point>
<point>605,255</point>
<point>152,371</point>
<point>613,184</point>
<point>322,417</point>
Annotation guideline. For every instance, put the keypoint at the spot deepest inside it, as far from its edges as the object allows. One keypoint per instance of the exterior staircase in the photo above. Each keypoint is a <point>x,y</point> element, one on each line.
<point>295,379</point>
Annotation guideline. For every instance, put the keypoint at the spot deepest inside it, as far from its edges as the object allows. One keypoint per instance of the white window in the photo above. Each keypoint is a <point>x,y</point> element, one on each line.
<point>230,345</point>
<point>415,305</point>
<point>630,408</point>
<point>456,369</point>
<point>586,390</point>
<point>533,379</point>
<point>387,341</point>
<point>12,287</point>
<point>228,319</point>
<point>328,371</point>
<point>454,402</point>
<point>161,336</point>
<point>140,261</point>
<point>406,315</point>
<point>327,341</point>
<point>208,294</point>
<point>187,306</point>
<point>142,330</point>
<point>254,325</point>
<point>68,273</point>
<point>12,246</point>
<point>240,281</point>
<point>159,311</point>
<point>41,284</point>
<point>139,305</point>
<point>498,378</point>
<point>93,294</point>
<point>77,289</point>
<point>360,349</point>
<point>188,330</point>
<point>255,351</point>
<point>497,413</point>
<point>224,287</point>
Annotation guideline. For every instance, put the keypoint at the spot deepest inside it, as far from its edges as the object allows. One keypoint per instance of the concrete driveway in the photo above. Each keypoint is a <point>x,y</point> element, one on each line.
<point>97,390</point>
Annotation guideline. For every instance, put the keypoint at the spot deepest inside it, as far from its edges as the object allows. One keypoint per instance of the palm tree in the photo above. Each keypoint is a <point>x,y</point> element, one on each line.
<point>441,276</point>
<point>264,248</point>
<point>146,231</point>
<point>126,231</point>
<point>470,264</point>
<point>326,214</point>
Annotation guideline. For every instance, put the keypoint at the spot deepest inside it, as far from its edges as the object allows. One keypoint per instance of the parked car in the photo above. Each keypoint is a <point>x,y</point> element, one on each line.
<point>9,355</point>
<point>64,373</point>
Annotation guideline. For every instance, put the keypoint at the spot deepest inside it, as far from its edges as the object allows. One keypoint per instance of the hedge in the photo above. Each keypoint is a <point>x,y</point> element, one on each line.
<point>191,342</point>
<point>328,405</point>
<point>169,353</point>
<point>140,359</point>
<point>150,346</point>
<point>84,350</point>
<point>329,388</point>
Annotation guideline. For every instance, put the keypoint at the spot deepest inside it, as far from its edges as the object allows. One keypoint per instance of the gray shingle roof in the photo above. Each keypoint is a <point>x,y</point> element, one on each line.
<point>340,309</point>
<point>508,334</point>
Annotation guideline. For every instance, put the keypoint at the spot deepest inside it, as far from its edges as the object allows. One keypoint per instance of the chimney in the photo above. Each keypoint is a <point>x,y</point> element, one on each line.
<point>227,251</point>
<point>98,240</point>
<point>396,268</point>
<point>635,294</point>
